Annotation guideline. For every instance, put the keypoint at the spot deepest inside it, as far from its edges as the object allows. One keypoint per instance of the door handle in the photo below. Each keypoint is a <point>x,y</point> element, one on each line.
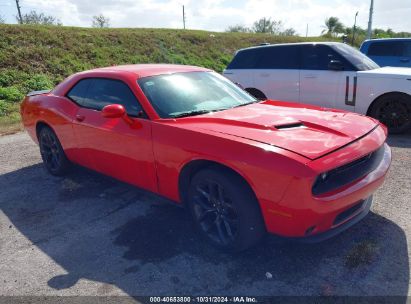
<point>405,60</point>
<point>80,118</point>
<point>265,75</point>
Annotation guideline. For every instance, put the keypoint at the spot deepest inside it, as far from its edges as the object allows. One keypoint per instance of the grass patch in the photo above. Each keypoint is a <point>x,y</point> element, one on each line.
<point>39,57</point>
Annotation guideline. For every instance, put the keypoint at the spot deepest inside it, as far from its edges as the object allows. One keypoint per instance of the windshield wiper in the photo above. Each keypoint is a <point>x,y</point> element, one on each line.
<point>191,113</point>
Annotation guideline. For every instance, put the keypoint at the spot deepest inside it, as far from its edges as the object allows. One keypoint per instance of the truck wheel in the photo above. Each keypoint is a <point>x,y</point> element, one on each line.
<point>225,210</point>
<point>393,110</point>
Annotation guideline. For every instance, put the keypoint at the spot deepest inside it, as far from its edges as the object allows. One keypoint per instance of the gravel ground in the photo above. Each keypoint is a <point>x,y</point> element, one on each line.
<point>86,234</point>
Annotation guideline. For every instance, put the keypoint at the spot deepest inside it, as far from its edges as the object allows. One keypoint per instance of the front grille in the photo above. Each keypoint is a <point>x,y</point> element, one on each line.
<point>346,174</point>
<point>347,213</point>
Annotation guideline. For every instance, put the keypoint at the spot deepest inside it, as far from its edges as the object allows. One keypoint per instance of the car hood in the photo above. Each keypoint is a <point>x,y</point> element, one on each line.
<point>387,72</point>
<point>306,130</point>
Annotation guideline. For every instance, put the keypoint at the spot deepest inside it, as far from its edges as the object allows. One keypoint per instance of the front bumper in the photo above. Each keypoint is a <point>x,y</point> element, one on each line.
<point>299,215</point>
<point>354,219</point>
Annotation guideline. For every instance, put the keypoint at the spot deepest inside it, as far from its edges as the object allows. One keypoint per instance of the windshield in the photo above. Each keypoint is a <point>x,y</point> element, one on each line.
<point>358,59</point>
<point>192,93</point>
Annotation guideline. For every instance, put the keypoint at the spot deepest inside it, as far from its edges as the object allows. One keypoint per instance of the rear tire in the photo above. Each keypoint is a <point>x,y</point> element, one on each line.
<point>52,153</point>
<point>225,210</point>
<point>393,110</point>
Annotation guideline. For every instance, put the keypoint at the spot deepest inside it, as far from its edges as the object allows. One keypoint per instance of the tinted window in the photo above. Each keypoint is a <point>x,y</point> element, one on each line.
<point>245,59</point>
<point>355,57</point>
<point>278,57</point>
<point>103,92</point>
<point>271,57</point>
<point>407,49</point>
<point>386,48</point>
<point>317,57</point>
<point>79,91</point>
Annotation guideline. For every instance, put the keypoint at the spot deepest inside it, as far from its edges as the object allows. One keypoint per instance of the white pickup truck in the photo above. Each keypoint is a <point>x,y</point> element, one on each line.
<point>332,75</point>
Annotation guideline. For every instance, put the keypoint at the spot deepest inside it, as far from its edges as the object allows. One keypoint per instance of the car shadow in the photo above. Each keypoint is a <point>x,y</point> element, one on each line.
<point>102,230</point>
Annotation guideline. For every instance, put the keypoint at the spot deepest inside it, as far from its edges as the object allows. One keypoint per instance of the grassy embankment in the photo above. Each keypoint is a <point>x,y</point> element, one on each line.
<point>38,57</point>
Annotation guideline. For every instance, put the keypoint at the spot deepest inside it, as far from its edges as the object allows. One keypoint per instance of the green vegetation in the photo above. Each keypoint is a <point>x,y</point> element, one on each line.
<point>35,57</point>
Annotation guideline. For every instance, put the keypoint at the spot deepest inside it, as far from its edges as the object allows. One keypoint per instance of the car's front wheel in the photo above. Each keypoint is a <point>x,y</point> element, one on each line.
<point>225,210</point>
<point>52,153</point>
<point>393,110</point>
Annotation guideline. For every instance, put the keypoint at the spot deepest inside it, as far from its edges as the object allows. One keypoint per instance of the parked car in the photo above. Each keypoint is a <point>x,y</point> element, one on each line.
<point>332,75</point>
<point>394,52</point>
<point>242,166</point>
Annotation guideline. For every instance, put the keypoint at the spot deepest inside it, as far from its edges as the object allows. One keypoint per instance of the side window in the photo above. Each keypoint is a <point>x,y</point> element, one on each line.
<point>278,57</point>
<point>317,57</point>
<point>79,91</point>
<point>103,92</point>
<point>245,59</point>
<point>407,49</point>
<point>387,48</point>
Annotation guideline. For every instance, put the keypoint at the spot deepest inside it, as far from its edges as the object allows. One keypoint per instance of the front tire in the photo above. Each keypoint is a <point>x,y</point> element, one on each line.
<point>393,110</point>
<point>52,153</point>
<point>225,210</point>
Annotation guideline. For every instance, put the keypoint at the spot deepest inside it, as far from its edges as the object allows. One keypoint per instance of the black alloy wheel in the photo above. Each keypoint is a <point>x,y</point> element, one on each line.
<point>52,153</point>
<point>225,210</point>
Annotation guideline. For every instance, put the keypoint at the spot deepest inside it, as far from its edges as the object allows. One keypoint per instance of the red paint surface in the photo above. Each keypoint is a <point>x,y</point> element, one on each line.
<point>280,165</point>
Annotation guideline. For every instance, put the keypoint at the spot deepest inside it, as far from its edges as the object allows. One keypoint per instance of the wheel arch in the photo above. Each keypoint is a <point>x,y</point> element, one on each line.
<point>370,107</point>
<point>191,168</point>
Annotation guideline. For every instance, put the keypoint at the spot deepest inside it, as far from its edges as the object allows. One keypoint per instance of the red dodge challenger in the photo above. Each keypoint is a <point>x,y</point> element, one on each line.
<point>242,166</point>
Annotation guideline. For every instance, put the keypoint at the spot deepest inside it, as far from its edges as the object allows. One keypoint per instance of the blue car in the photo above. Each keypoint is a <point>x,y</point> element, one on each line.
<point>395,52</point>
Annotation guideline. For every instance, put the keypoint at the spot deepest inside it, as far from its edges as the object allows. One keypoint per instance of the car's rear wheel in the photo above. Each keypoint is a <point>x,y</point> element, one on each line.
<point>225,210</point>
<point>52,153</point>
<point>393,110</point>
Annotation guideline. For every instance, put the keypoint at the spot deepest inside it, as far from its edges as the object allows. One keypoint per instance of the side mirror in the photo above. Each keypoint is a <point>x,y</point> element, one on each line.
<point>113,111</point>
<point>335,65</point>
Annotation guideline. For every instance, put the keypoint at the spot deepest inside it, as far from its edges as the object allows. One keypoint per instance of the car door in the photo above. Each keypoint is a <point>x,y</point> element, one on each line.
<point>114,146</point>
<point>321,85</point>
<point>277,72</point>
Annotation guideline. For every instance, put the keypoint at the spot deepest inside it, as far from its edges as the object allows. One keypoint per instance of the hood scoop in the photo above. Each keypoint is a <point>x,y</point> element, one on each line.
<point>288,126</point>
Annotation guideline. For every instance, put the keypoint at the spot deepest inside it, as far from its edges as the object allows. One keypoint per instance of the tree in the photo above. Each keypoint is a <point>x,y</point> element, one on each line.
<point>266,25</point>
<point>39,19</point>
<point>289,32</point>
<point>2,21</point>
<point>238,29</point>
<point>101,21</point>
<point>333,26</point>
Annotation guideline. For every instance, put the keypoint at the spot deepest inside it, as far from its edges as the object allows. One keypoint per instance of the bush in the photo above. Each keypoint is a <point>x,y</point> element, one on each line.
<point>11,94</point>
<point>6,108</point>
<point>38,82</point>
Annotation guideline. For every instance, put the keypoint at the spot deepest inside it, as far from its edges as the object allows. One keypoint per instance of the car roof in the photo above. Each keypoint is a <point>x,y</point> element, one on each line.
<point>289,44</point>
<point>386,39</point>
<point>145,70</point>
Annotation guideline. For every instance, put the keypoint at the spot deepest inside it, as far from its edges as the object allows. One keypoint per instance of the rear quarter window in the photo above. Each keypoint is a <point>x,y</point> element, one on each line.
<point>387,48</point>
<point>269,57</point>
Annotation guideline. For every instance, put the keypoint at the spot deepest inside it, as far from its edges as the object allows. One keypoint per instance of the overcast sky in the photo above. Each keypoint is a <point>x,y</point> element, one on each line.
<point>217,15</point>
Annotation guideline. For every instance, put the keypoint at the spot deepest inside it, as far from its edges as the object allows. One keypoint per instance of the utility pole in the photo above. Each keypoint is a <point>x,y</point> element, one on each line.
<point>354,28</point>
<point>184,18</point>
<point>370,20</point>
<point>306,32</point>
<point>19,11</point>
